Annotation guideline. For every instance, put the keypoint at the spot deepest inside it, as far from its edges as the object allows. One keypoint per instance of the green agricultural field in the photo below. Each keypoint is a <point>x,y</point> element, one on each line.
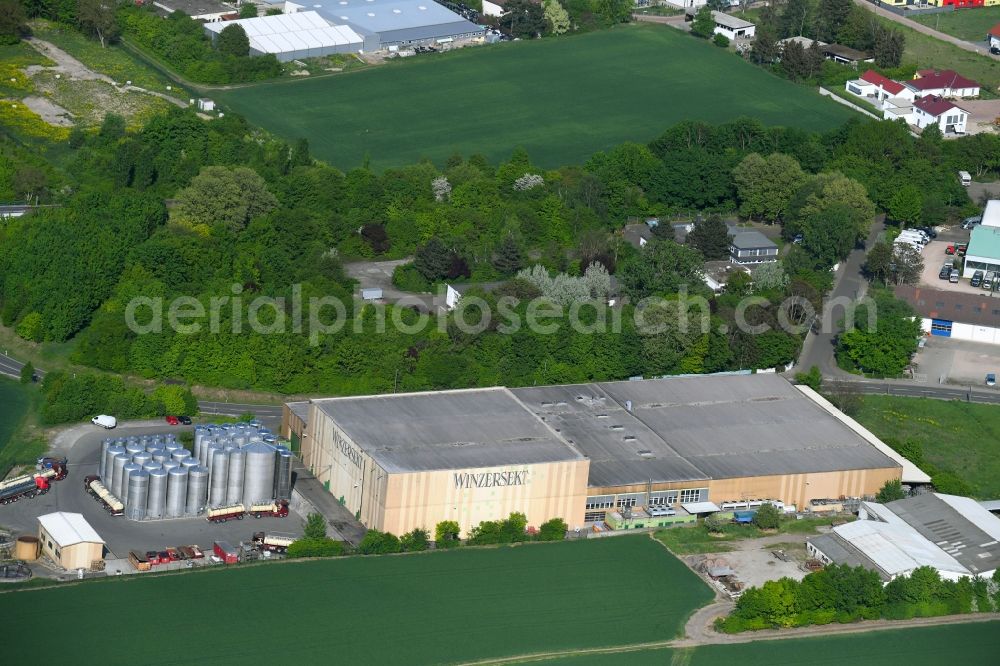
<point>957,437</point>
<point>968,24</point>
<point>976,643</point>
<point>431,608</point>
<point>561,99</point>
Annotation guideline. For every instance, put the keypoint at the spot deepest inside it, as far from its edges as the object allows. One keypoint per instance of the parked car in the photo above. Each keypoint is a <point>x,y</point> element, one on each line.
<point>970,222</point>
<point>988,280</point>
<point>991,379</point>
<point>172,420</point>
<point>953,278</point>
<point>977,278</point>
<point>995,50</point>
<point>945,272</point>
<point>797,239</point>
<point>929,231</point>
<point>105,421</point>
<point>185,420</point>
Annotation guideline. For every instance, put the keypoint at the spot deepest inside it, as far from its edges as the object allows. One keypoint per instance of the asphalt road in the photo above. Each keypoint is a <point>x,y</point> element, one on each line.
<point>123,535</point>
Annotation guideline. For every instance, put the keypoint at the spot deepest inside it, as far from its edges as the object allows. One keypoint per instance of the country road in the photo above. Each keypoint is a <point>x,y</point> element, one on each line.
<point>925,29</point>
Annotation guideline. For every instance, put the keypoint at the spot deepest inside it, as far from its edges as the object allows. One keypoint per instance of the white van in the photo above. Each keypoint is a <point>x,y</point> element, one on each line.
<point>915,234</point>
<point>965,178</point>
<point>105,421</point>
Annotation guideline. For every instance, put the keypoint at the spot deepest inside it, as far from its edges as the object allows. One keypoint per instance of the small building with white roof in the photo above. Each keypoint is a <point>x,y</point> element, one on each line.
<point>69,540</point>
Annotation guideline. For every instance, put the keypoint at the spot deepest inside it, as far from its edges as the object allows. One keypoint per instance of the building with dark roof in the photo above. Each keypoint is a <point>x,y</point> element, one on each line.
<point>845,55</point>
<point>955,314</point>
<point>747,246</point>
<point>942,83</point>
<point>934,110</point>
<point>955,535</point>
<point>576,451</point>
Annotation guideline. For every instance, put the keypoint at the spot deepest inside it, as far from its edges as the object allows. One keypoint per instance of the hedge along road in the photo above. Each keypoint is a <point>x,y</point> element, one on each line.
<point>560,98</point>
<point>426,608</point>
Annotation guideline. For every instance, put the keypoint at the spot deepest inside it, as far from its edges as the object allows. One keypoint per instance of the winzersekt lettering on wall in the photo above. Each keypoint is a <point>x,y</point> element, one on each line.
<point>490,479</point>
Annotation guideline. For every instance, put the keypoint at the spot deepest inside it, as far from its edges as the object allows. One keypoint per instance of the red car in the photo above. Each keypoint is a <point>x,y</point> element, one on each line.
<point>172,420</point>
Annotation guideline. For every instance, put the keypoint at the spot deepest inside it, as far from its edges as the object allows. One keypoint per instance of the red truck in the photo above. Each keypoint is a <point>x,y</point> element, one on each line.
<point>225,552</point>
<point>278,509</point>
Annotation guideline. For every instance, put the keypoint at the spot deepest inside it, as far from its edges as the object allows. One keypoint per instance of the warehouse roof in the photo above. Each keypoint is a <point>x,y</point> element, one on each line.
<point>447,430</point>
<point>674,429</point>
<point>731,22</point>
<point>300,409</point>
<point>953,534</point>
<point>291,32</point>
<point>69,528</point>
<point>396,20</point>
<point>961,306</point>
<point>699,428</point>
<point>984,241</point>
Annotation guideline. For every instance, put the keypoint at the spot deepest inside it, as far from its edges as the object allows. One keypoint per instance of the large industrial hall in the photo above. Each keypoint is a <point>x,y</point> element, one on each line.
<point>576,452</point>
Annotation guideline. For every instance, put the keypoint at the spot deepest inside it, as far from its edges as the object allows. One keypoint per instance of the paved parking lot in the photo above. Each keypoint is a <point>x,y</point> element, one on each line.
<point>934,258</point>
<point>123,535</point>
<point>951,361</point>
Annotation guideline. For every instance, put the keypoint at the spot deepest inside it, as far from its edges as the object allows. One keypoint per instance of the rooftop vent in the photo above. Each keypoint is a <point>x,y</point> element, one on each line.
<point>645,453</point>
<point>617,427</point>
<point>629,438</point>
<point>601,416</point>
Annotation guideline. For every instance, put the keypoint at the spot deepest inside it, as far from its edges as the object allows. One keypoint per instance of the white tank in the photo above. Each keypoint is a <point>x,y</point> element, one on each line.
<point>258,475</point>
<point>117,470</point>
<point>151,465</point>
<point>197,491</point>
<point>177,488</point>
<point>234,478</point>
<point>138,492</point>
<point>127,471</point>
<point>156,502</point>
<point>219,473</point>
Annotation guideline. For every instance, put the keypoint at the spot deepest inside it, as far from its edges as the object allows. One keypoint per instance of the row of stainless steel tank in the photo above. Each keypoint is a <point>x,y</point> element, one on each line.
<point>156,477</point>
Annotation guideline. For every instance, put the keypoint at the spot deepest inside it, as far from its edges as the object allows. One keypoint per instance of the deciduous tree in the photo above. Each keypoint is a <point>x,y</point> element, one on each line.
<point>891,491</point>
<point>97,17</point>
<point>766,185</point>
<point>703,24</point>
<point>223,198</point>
<point>557,16</point>
<point>446,534</point>
<point>767,516</point>
<point>13,22</point>
<point>711,238</point>
<point>315,527</point>
<point>233,41</point>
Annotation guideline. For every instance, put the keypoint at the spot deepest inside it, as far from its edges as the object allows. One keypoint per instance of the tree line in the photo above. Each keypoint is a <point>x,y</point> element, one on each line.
<point>513,529</point>
<point>843,594</point>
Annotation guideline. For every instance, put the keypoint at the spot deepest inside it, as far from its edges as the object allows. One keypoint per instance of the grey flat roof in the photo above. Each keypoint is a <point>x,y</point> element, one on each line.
<point>396,20</point>
<point>841,552</point>
<point>699,428</point>
<point>731,22</point>
<point>938,519</point>
<point>750,239</point>
<point>447,430</point>
<point>196,7</point>
<point>300,409</point>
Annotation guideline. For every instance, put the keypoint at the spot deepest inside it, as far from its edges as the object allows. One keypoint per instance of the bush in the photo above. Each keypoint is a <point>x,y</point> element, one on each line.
<point>408,278</point>
<point>720,40</point>
<point>316,547</point>
<point>553,530</point>
<point>315,526</point>
<point>379,543</point>
<point>73,398</point>
<point>446,534</point>
<point>415,540</point>
<point>767,517</point>
<point>890,492</point>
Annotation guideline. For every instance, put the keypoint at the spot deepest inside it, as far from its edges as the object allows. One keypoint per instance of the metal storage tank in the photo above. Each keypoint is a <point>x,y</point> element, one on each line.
<point>161,456</point>
<point>156,501</point>
<point>151,465</point>
<point>217,481</point>
<point>127,471</point>
<point>117,469</point>
<point>197,491</point>
<point>109,457</point>
<point>170,464</point>
<point>153,447</point>
<point>196,449</point>
<point>177,488</point>
<point>206,446</point>
<point>172,446</point>
<point>283,475</point>
<point>106,444</point>
<point>133,448</point>
<point>142,458</point>
<point>234,481</point>
<point>180,454</point>
<point>138,493</point>
<point>188,463</point>
<point>258,477</point>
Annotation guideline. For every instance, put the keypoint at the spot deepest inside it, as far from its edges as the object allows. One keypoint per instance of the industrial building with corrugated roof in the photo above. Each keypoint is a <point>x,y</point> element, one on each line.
<point>955,535</point>
<point>577,451</point>
<point>292,36</point>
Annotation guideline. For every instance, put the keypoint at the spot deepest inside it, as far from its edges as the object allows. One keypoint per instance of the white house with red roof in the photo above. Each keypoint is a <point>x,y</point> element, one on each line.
<point>943,83</point>
<point>935,110</point>
<point>993,37</point>
<point>877,87</point>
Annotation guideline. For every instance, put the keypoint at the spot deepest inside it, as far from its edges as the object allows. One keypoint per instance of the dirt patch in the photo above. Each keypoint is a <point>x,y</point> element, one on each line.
<point>49,111</point>
<point>66,64</point>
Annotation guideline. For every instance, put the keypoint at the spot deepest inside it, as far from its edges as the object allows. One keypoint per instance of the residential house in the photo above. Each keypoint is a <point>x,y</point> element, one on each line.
<point>876,87</point>
<point>637,235</point>
<point>200,10</point>
<point>898,108</point>
<point>845,55</point>
<point>944,83</point>
<point>718,273</point>
<point>933,110</point>
<point>751,247</point>
<point>804,42</point>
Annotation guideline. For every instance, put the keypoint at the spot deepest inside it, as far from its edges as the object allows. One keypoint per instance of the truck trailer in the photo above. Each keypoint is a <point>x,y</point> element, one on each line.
<point>272,541</point>
<point>224,513</point>
<point>225,552</point>
<point>278,509</point>
<point>23,487</point>
<point>99,491</point>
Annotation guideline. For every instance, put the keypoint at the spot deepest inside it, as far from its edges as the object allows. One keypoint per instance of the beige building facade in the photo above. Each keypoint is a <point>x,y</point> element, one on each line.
<point>69,540</point>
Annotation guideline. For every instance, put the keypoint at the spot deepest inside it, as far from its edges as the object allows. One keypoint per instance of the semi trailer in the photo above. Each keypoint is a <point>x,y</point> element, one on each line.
<point>224,513</point>
<point>100,492</point>
<point>27,486</point>
<point>272,541</point>
<point>278,509</point>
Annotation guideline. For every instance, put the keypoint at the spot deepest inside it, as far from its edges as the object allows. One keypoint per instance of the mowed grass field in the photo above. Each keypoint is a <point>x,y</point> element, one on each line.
<point>561,99</point>
<point>969,24</point>
<point>431,608</point>
<point>956,436</point>
<point>977,643</point>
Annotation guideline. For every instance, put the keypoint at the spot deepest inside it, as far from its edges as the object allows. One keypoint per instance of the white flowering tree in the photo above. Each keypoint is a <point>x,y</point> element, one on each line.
<point>528,181</point>
<point>441,188</point>
<point>565,289</point>
<point>769,276</point>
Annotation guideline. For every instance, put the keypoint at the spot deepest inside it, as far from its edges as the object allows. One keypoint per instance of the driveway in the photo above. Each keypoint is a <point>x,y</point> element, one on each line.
<point>925,29</point>
<point>378,275</point>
